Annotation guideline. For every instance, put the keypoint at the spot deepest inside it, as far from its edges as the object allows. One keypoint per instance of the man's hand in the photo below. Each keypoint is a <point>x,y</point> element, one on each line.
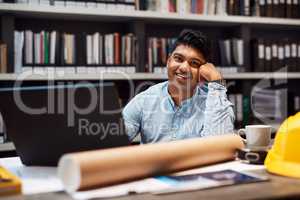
<point>208,72</point>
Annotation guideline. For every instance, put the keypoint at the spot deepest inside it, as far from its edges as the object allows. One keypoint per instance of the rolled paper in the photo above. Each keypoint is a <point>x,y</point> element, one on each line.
<point>98,168</point>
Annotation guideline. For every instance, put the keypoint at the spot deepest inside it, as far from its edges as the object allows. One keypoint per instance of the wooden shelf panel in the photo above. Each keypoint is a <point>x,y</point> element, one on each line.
<point>45,11</point>
<point>139,76</point>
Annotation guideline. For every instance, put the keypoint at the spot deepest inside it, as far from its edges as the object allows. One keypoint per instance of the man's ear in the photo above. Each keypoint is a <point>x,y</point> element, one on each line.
<point>168,60</point>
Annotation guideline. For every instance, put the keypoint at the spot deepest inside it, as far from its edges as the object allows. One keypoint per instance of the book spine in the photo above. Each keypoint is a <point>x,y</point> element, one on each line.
<point>258,55</point>
<point>274,59</point>
<point>282,9</point>
<point>275,9</point>
<point>262,8</point>
<point>289,9</point>
<point>269,8</point>
<point>268,56</point>
<point>281,62</point>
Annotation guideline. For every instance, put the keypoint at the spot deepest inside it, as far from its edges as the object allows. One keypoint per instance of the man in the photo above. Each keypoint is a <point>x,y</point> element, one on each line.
<point>192,103</point>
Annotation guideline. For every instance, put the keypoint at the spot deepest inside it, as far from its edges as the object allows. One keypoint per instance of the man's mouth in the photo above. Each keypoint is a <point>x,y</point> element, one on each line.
<point>185,76</point>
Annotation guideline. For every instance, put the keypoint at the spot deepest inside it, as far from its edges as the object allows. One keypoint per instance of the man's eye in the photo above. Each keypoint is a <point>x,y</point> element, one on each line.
<point>195,64</point>
<point>178,59</point>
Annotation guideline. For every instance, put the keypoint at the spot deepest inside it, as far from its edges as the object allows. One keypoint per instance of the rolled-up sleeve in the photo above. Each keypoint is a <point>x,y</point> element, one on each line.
<point>132,115</point>
<point>219,116</point>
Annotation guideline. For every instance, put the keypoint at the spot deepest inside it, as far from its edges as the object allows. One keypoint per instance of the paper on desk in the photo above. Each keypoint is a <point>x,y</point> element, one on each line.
<point>141,186</point>
<point>34,179</point>
<point>153,184</point>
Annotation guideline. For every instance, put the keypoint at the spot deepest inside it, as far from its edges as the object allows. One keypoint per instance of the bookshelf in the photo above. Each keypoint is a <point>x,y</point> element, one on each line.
<point>142,24</point>
<point>145,24</point>
<point>59,12</point>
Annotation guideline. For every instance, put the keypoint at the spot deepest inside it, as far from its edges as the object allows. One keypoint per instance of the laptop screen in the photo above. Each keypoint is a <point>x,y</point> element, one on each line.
<point>47,121</point>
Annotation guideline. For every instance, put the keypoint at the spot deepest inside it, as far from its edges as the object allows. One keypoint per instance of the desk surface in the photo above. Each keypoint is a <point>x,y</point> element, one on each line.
<point>277,188</point>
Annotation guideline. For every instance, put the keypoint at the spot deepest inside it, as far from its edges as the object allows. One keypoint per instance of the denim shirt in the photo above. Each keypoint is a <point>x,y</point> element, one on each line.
<point>155,116</point>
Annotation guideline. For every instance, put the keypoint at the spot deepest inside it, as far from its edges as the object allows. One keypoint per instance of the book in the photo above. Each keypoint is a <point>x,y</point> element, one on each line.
<point>247,8</point>
<point>287,54</point>
<point>275,9</point>
<point>237,47</point>
<point>268,56</point>
<point>9,183</point>
<point>298,55</point>
<point>258,54</point>
<point>288,9</point>
<point>18,50</point>
<point>206,180</point>
<point>295,9</point>
<point>274,59</point>
<point>281,8</point>
<point>281,61</point>
<point>293,64</point>
<point>3,58</point>
<point>269,8</point>
<point>262,8</point>
<point>225,52</point>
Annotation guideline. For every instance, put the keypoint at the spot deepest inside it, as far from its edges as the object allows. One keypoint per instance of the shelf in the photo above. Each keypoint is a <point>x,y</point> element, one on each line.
<point>138,76</point>
<point>8,146</point>
<point>263,75</point>
<point>59,12</point>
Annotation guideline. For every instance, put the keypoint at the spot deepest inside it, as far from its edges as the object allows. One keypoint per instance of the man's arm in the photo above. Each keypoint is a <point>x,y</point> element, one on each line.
<point>132,115</point>
<point>218,114</point>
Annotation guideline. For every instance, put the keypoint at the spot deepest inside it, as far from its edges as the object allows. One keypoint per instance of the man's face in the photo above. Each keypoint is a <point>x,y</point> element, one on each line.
<point>183,67</point>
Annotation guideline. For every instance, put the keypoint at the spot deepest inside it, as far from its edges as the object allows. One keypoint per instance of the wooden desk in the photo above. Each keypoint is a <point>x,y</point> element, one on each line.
<point>277,188</point>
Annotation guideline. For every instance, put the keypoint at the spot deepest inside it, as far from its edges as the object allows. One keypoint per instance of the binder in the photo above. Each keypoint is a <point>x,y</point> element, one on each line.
<point>268,56</point>
<point>282,8</point>
<point>3,58</point>
<point>295,9</point>
<point>230,7</point>
<point>274,59</point>
<point>275,9</point>
<point>269,8</point>
<point>81,49</point>
<point>288,9</point>
<point>262,8</point>
<point>237,8</point>
<point>258,55</point>
<point>241,7</point>
<point>298,56</point>
<point>287,55</point>
<point>293,56</point>
<point>247,8</point>
<point>254,8</point>
<point>281,62</point>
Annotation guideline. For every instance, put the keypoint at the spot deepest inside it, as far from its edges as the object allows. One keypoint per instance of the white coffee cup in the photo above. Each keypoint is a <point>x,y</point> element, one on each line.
<point>258,137</point>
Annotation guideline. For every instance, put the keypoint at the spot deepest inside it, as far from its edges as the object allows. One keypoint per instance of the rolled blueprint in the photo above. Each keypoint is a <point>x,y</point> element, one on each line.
<point>97,168</point>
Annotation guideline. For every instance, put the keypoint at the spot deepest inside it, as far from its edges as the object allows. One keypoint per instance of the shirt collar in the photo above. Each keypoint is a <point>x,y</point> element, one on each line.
<point>184,103</point>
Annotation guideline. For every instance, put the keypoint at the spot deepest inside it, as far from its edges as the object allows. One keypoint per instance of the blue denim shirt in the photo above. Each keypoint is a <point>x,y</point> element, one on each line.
<point>155,116</point>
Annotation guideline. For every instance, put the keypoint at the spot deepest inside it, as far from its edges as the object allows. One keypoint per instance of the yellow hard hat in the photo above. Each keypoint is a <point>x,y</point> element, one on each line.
<point>284,156</point>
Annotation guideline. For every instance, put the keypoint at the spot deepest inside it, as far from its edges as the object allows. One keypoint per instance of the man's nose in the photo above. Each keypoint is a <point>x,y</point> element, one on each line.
<point>184,66</point>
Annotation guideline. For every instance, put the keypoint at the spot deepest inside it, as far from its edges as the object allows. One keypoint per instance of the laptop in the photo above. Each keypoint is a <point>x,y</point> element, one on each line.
<point>46,121</point>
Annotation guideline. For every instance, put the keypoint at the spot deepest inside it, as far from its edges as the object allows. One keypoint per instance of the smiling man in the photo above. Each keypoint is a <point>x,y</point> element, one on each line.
<point>192,103</point>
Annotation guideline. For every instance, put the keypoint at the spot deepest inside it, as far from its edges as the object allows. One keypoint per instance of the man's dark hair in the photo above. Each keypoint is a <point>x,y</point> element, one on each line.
<point>194,39</point>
